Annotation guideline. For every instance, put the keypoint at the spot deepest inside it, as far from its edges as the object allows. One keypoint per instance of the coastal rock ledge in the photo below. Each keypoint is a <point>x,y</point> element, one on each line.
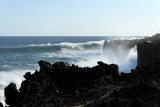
<point>61,84</point>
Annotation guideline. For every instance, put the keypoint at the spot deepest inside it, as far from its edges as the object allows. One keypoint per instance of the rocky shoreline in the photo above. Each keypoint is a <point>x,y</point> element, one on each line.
<point>60,84</point>
<point>147,48</point>
<point>64,85</point>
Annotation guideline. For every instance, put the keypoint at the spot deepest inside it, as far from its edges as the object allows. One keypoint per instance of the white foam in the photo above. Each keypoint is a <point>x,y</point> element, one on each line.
<point>87,57</point>
<point>69,44</point>
<point>48,44</point>
<point>15,76</point>
<point>126,59</point>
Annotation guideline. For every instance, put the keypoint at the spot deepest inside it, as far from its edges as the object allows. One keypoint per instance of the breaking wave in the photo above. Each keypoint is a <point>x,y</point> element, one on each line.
<point>55,47</point>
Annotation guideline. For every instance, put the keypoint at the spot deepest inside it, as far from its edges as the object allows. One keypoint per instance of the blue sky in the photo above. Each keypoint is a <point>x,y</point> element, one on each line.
<point>79,17</point>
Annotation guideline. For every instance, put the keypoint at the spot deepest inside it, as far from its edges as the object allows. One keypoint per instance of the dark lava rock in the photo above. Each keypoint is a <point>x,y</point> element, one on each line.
<point>148,51</point>
<point>12,94</point>
<point>137,103</point>
<point>45,66</point>
<point>147,48</point>
<point>60,65</point>
<point>60,84</point>
<point>1,105</point>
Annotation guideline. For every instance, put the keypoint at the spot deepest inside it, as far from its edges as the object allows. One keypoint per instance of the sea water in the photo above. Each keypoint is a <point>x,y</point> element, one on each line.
<point>21,54</point>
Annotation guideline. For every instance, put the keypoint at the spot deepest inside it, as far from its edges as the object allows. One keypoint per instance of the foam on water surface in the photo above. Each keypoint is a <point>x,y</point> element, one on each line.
<point>23,56</point>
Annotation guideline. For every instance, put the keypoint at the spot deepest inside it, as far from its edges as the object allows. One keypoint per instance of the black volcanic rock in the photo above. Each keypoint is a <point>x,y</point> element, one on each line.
<point>12,94</point>
<point>148,51</point>
<point>147,48</point>
<point>59,80</point>
<point>1,105</point>
<point>45,66</point>
<point>60,84</point>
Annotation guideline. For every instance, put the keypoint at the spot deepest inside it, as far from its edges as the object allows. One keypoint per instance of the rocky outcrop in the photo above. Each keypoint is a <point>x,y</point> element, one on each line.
<point>147,48</point>
<point>12,94</point>
<point>148,51</point>
<point>60,84</point>
<point>1,105</point>
<point>140,88</point>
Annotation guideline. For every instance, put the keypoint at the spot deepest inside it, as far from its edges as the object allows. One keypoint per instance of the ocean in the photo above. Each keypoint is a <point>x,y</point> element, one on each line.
<point>20,54</point>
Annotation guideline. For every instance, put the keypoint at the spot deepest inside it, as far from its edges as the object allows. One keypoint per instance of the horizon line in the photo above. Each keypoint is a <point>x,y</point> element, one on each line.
<point>64,35</point>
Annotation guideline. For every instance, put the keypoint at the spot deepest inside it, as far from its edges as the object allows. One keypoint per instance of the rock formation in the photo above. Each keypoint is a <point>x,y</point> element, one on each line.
<point>147,49</point>
<point>60,84</point>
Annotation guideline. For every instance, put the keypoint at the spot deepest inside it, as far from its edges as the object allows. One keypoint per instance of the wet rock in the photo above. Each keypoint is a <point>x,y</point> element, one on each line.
<point>148,84</point>
<point>1,105</point>
<point>45,66</point>
<point>12,94</point>
<point>60,66</point>
<point>147,52</point>
<point>147,48</point>
<point>137,103</point>
<point>34,88</point>
<point>60,84</point>
<point>51,88</point>
<point>27,75</point>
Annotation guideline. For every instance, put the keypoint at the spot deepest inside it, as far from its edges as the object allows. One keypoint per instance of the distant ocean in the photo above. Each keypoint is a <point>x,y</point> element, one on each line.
<point>21,54</point>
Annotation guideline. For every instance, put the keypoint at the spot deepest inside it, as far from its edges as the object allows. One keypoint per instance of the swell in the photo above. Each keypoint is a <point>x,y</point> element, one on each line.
<point>54,47</point>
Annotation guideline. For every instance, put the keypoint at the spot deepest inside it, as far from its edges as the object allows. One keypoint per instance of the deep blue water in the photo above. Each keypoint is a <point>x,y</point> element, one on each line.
<point>25,52</point>
<point>21,54</point>
<point>14,41</point>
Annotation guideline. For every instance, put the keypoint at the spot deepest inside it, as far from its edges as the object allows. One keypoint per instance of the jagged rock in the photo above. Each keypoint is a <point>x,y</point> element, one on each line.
<point>149,84</point>
<point>148,51</point>
<point>30,88</point>
<point>147,48</point>
<point>34,87</point>
<point>12,94</point>
<point>106,69</point>
<point>27,75</point>
<point>51,88</point>
<point>1,105</point>
<point>60,84</point>
<point>60,66</point>
<point>45,66</point>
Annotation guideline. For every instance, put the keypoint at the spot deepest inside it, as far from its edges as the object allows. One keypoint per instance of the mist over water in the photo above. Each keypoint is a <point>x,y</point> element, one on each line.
<point>8,77</point>
<point>120,54</point>
<point>20,55</point>
<point>125,59</point>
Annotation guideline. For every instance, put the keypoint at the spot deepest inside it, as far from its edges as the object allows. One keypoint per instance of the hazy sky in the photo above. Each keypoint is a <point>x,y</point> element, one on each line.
<point>79,17</point>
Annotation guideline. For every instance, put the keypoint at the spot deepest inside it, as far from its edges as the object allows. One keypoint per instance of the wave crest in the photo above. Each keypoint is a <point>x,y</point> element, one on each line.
<point>55,47</point>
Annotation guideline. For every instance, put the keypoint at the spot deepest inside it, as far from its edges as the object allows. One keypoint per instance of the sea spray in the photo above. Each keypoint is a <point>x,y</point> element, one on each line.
<point>15,76</point>
<point>20,55</point>
<point>125,58</point>
<point>129,62</point>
